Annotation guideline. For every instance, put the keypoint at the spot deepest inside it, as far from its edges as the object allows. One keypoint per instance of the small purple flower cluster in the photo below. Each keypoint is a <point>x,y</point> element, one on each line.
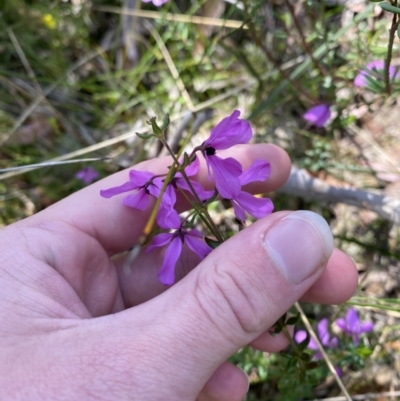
<point>87,175</point>
<point>350,325</point>
<point>353,327</point>
<point>374,69</point>
<point>323,335</point>
<point>320,114</point>
<point>156,3</point>
<point>229,177</point>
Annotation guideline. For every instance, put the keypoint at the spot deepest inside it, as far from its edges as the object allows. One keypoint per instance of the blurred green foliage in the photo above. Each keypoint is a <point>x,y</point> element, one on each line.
<point>103,75</point>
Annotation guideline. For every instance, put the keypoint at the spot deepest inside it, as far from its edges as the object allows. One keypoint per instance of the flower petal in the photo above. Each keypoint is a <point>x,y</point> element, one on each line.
<point>260,170</point>
<point>376,65</point>
<point>352,320</point>
<point>194,232</point>
<point>257,207</point>
<point>192,168</point>
<point>313,345</point>
<point>300,336</point>
<point>87,174</point>
<point>375,69</point>
<point>366,327</point>
<point>169,195</point>
<point>226,175</point>
<point>240,213</point>
<point>342,324</point>
<point>323,332</point>
<point>166,275</point>
<point>360,80</point>
<point>159,240</point>
<point>333,343</point>
<point>201,192</point>
<point>154,188</point>
<point>167,216</point>
<point>318,115</point>
<point>140,178</point>
<point>128,186</point>
<point>156,3</point>
<point>140,200</point>
<point>197,245</point>
<point>230,131</point>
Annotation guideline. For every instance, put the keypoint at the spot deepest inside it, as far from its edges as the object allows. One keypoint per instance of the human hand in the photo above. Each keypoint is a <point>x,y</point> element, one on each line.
<point>78,325</point>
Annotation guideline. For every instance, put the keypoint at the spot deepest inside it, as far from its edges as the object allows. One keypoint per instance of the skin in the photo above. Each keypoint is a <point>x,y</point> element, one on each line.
<point>79,322</point>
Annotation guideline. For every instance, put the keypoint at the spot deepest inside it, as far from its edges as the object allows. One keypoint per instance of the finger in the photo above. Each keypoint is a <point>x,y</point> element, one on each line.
<point>118,227</point>
<point>139,281</point>
<point>337,283</point>
<point>233,296</point>
<point>228,383</point>
<point>269,342</point>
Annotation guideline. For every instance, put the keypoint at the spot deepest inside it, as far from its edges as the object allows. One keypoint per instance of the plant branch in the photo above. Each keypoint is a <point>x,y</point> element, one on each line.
<point>268,54</point>
<point>392,35</point>
<point>306,46</point>
<point>204,210</point>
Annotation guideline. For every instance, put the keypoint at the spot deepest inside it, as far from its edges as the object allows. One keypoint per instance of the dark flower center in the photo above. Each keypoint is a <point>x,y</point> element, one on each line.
<point>179,233</point>
<point>146,187</point>
<point>210,151</point>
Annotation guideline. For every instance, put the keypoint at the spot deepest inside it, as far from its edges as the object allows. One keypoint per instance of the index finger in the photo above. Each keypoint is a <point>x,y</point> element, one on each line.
<point>118,227</point>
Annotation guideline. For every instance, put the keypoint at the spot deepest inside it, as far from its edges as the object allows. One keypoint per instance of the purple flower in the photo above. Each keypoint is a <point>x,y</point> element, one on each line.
<point>318,115</point>
<point>374,69</point>
<point>194,241</point>
<point>352,326</point>
<point>339,371</point>
<point>157,3</point>
<point>146,186</point>
<point>229,132</point>
<point>323,335</point>
<point>87,175</point>
<point>244,202</point>
<point>191,170</point>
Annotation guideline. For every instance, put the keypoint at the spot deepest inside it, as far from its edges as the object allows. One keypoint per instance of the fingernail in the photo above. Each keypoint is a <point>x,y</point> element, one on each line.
<point>299,245</point>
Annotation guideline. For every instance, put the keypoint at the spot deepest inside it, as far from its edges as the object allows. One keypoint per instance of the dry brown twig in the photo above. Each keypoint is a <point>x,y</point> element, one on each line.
<point>314,336</point>
<point>190,19</point>
<point>302,184</point>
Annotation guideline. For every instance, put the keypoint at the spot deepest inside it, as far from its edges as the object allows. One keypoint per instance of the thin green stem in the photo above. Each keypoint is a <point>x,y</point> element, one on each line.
<point>271,58</point>
<point>392,35</point>
<point>291,342</point>
<point>204,211</point>
<point>306,46</point>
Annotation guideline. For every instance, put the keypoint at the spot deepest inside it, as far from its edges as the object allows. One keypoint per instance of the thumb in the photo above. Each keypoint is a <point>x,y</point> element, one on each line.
<point>239,291</point>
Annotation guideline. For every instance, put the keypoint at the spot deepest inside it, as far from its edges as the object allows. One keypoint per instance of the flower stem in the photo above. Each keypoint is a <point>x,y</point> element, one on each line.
<point>203,209</point>
<point>392,35</point>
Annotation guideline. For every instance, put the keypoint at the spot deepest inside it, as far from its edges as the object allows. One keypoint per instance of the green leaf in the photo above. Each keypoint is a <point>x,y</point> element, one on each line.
<point>156,129</point>
<point>212,242</point>
<point>165,123</point>
<point>214,197</point>
<point>388,7</point>
<point>313,365</point>
<point>190,223</point>
<point>293,320</point>
<point>186,160</point>
<point>143,136</point>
